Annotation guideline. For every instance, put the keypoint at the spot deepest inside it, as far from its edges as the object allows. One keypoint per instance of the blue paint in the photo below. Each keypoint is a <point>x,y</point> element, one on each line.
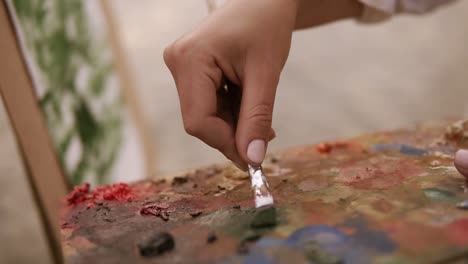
<point>327,237</point>
<point>374,240</point>
<point>257,258</point>
<point>402,148</point>
<point>412,151</point>
<point>266,242</point>
<point>358,248</point>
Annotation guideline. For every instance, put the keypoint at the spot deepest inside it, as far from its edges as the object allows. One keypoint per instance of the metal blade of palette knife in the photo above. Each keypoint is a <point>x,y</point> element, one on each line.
<point>263,197</point>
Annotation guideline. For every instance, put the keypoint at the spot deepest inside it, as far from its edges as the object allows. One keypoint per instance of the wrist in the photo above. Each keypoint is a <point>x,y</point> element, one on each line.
<point>312,13</point>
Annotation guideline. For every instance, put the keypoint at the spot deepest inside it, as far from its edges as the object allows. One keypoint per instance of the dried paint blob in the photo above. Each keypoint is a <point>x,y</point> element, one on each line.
<point>327,244</point>
<point>458,232</point>
<point>457,131</point>
<point>264,217</point>
<point>314,183</point>
<point>250,235</point>
<point>382,175</point>
<point>382,205</point>
<point>234,173</point>
<point>211,238</point>
<point>327,147</point>
<point>115,192</point>
<point>436,194</point>
<point>156,245</point>
<point>195,213</point>
<point>78,195</point>
<point>315,254</point>
<point>179,180</point>
<point>157,209</point>
<point>402,148</point>
<point>463,205</point>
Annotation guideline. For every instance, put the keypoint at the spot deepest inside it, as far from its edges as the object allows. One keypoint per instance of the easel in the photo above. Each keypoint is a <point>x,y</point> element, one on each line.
<point>44,172</point>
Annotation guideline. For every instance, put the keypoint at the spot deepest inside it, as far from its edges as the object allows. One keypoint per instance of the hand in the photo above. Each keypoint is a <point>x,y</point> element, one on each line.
<point>461,162</point>
<point>247,43</point>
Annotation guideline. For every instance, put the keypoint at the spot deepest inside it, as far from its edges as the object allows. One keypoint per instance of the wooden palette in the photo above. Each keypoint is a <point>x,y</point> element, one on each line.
<point>387,197</point>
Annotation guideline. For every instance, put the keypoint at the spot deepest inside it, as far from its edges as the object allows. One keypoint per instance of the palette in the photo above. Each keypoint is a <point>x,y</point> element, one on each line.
<point>388,197</point>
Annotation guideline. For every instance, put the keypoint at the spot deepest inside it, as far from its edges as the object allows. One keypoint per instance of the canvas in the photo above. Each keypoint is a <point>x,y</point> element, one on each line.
<point>68,55</point>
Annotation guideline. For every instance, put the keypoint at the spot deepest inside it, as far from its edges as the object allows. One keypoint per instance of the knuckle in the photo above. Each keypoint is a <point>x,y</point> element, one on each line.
<point>168,56</point>
<point>175,52</point>
<point>191,127</point>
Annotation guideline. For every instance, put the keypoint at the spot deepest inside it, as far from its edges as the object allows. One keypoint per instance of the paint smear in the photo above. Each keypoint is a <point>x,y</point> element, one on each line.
<point>314,183</point>
<point>438,195</point>
<point>402,148</point>
<point>458,232</point>
<point>383,175</point>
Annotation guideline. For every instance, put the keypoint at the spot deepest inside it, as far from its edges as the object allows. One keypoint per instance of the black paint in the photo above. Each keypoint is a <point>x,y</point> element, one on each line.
<point>179,180</point>
<point>195,213</point>
<point>156,245</point>
<point>211,237</point>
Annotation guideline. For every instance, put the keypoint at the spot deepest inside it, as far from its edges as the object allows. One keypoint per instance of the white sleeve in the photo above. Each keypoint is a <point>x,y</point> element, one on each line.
<point>378,10</point>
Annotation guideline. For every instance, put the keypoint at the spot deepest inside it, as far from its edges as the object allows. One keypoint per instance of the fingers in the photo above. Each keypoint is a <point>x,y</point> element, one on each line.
<point>272,134</point>
<point>197,79</point>
<point>461,162</point>
<point>255,117</point>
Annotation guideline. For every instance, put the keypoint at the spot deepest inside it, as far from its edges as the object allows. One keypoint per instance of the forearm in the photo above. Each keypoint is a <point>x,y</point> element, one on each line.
<point>317,12</point>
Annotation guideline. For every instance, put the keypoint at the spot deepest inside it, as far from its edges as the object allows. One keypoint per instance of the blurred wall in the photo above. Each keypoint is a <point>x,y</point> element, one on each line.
<point>341,80</point>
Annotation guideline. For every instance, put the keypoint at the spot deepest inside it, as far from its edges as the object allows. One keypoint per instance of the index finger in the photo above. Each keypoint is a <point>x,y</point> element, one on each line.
<point>197,86</point>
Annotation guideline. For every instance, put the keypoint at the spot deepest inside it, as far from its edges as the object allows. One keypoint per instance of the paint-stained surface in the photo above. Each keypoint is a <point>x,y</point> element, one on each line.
<point>388,197</point>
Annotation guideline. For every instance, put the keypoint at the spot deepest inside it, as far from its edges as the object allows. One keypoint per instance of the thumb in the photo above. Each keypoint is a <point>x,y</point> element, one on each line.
<point>461,162</point>
<point>254,125</point>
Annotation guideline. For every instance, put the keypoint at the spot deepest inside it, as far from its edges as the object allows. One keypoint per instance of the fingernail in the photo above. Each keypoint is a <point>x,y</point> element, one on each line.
<point>256,151</point>
<point>461,158</point>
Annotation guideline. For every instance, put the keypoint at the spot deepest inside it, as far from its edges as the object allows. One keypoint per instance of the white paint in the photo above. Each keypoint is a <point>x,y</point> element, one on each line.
<point>261,201</point>
<point>259,183</point>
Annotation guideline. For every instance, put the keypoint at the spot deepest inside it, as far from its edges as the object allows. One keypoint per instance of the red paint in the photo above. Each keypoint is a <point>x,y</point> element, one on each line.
<point>381,175</point>
<point>458,232</point>
<point>324,148</point>
<point>78,194</point>
<point>117,191</point>
<point>157,209</point>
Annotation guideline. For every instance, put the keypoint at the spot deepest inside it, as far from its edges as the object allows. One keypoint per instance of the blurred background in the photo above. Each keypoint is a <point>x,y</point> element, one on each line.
<point>340,80</point>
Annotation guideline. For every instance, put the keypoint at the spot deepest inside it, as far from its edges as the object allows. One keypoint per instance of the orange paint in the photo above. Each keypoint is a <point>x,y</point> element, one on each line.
<point>327,147</point>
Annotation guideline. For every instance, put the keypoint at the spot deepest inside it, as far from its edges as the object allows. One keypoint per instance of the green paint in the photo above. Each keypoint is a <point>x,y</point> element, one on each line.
<point>251,235</point>
<point>315,254</point>
<point>246,224</point>
<point>264,217</point>
<point>438,194</point>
